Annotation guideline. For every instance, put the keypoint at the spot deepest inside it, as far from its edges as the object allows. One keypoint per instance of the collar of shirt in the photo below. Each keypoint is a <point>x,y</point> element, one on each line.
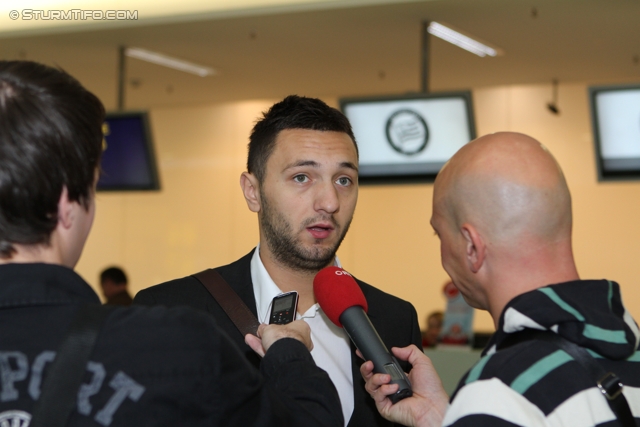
<point>265,289</point>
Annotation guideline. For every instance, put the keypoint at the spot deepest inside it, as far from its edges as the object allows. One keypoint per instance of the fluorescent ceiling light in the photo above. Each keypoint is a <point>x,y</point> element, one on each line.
<point>461,40</point>
<point>167,61</point>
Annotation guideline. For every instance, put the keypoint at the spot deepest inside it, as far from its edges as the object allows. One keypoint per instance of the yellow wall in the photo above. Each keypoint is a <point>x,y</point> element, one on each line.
<point>200,219</point>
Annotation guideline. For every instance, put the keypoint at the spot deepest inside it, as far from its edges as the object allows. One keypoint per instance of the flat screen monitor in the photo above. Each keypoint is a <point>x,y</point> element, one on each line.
<point>615,112</point>
<point>128,161</point>
<point>409,138</point>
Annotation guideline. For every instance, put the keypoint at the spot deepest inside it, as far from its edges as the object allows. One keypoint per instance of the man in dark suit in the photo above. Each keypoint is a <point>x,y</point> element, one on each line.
<point>302,181</point>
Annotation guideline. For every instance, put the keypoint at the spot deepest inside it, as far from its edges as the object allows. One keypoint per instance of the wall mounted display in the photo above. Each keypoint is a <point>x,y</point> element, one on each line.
<point>409,138</point>
<point>128,161</point>
<point>615,115</point>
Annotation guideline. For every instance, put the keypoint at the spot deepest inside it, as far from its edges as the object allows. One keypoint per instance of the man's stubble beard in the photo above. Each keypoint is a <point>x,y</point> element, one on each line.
<point>284,246</point>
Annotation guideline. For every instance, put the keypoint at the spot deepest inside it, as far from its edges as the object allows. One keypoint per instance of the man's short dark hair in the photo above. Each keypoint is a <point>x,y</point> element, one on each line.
<point>114,274</point>
<point>293,112</point>
<point>50,138</point>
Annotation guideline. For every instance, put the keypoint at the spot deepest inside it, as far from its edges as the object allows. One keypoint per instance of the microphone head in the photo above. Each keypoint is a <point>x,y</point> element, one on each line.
<point>336,290</point>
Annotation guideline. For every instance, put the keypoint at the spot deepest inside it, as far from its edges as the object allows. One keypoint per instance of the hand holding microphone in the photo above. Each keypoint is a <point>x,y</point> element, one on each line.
<point>343,302</point>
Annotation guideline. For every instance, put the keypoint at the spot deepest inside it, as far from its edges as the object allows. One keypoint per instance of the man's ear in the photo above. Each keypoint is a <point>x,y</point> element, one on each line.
<point>476,250</point>
<point>65,210</point>
<point>251,190</point>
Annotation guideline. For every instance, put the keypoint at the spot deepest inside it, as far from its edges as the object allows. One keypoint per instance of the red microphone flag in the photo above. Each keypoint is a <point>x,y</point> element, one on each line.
<point>336,290</point>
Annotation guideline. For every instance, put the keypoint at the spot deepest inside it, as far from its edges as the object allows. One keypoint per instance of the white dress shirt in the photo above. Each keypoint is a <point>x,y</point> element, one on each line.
<point>331,349</point>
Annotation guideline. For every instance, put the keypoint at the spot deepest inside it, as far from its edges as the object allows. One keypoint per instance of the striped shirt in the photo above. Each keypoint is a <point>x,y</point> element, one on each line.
<point>534,383</point>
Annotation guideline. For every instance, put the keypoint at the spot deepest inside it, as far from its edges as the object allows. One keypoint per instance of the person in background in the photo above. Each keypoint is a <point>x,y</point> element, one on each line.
<point>113,282</point>
<point>434,326</point>
<point>302,182</point>
<point>502,211</point>
<point>149,366</point>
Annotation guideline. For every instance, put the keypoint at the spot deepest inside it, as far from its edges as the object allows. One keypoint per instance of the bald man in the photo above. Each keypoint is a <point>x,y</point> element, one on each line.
<point>502,211</point>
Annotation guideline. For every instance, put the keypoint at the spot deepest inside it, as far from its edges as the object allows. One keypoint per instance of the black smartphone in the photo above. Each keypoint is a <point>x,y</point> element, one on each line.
<point>284,308</point>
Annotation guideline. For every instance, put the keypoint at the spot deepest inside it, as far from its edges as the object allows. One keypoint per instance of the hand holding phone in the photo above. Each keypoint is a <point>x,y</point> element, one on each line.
<point>298,330</point>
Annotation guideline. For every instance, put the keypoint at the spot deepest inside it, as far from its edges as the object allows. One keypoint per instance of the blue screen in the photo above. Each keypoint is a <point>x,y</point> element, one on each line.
<point>127,161</point>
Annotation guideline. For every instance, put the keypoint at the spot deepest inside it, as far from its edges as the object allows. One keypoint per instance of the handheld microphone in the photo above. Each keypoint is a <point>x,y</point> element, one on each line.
<point>343,302</point>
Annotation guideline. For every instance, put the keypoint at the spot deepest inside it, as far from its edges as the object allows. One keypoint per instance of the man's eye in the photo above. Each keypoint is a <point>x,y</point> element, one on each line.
<point>300,178</point>
<point>344,181</point>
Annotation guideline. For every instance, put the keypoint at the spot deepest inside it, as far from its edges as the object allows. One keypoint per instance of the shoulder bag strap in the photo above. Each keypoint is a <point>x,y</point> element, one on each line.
<point>229,300</point>
<point>608,383</point>
<point>59,394</point>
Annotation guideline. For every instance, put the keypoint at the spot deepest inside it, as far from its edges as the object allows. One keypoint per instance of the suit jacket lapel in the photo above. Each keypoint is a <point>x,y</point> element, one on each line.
<point>238,276</point>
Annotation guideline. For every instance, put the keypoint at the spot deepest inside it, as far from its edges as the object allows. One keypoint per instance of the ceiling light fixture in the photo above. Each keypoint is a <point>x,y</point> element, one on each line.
<point>167,61</point>
<point>465,42</point>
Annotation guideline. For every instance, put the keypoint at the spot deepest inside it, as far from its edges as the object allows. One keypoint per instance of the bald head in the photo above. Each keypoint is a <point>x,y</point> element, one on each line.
<point>502,210</point>
<point>509,186</point>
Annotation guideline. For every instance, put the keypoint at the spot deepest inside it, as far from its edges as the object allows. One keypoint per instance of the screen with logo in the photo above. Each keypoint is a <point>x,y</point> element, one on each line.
<point>615,112</point>
<point>128,161</point>
<point>409,138</point>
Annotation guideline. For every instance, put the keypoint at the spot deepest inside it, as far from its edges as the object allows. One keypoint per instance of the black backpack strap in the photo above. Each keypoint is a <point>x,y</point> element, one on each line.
<point>608,383</point>
<point>59,394</point>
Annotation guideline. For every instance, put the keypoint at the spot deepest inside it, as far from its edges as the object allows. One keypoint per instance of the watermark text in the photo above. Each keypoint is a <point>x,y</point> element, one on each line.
<point>74,15</point>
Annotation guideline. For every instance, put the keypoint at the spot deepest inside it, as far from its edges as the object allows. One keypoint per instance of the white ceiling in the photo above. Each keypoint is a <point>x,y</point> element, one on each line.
<point>366,49</point>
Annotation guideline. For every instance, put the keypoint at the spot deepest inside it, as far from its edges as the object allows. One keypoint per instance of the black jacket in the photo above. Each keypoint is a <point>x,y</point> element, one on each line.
<point>121,298</point>
<point>150,366</point>
<point>394,319</point>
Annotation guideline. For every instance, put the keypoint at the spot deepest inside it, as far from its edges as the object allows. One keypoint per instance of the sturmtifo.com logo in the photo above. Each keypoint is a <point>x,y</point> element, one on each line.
<point>407,132</point>
<point>73,15</point>
<point>15,419</point>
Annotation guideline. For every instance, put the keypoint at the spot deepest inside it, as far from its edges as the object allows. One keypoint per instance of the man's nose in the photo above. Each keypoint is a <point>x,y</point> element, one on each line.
<point>327,198</point>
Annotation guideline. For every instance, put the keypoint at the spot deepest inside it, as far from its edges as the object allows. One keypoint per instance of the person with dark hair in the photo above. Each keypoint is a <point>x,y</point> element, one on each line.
<point>35,138</point>
<point>113,282</point>
<point>565,351</point>
<point>302,181</point>
<point>148,367</point>
<point>434,326</point>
